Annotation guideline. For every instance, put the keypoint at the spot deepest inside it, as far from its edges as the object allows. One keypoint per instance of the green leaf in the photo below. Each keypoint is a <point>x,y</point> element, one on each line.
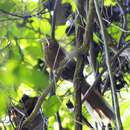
<point>115,32</point>
<point>109,2</point>
<point>127,38</point>
<point>15,73</point>
<point>40,79</point>
<point>60,31</point>
<point>32,76</point>
<point>51,106</point>
<point>35,49</point>
<point>3,102</point>
<point>6,73</point>
<point>45,26</point>
<point>7,5</point>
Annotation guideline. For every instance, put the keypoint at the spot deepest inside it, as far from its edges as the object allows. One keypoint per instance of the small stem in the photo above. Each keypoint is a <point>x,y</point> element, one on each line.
<point>54,19</point>
<point>19,48</point>
<point>79,65</point>
<point>59,120</point>
<point>38,105</point>
<point>114,95</point>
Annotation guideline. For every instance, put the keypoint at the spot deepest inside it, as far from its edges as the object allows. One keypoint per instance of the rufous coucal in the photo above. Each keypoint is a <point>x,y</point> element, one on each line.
<point>54,54</point>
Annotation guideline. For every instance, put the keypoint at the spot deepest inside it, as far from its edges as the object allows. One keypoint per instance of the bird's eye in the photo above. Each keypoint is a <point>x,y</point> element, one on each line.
<point>46,42</point>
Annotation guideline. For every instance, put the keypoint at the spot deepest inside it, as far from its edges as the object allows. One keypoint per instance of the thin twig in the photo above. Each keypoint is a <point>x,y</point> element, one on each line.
<point>19,49</point>
<point>59,121</point>
<point>79,65</point>
<point>116,26</point>
<point>124,23</point>
<point>3,124</point>
<point>37,106</point>
<point>99,76</point>
<point>54,19</point>
<point>23,16</point>
<point>86,122</point>
<point>114,95</point>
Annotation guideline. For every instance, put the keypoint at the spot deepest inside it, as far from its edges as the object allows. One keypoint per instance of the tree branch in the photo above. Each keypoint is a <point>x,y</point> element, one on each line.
<point>114,95</point>
<point>99,76</point>
<point>23,16</point>
<point>37,106</point>
<point>79,65</point>
<point>54,20</point>
<point>124,22</point>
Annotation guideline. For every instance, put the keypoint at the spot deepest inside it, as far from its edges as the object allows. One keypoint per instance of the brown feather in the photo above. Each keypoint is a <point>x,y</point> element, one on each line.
<point>53,52</point>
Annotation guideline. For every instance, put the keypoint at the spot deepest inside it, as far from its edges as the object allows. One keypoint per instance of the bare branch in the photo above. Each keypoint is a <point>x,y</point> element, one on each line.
<point>54,20</point>
<point>114,95</point>
<point>38,105</point>
<point>79,65</point>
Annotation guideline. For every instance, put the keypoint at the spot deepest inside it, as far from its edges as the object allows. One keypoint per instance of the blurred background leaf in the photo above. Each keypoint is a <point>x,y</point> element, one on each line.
<point>51,106</point>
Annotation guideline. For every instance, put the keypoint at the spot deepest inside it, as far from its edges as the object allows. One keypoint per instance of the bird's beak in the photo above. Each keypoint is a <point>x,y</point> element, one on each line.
<point>45,42</point>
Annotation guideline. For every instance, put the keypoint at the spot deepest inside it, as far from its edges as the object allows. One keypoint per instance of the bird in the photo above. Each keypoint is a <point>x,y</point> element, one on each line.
<point>54,55</point>
<point>29,103</point>
<point>40,121</point>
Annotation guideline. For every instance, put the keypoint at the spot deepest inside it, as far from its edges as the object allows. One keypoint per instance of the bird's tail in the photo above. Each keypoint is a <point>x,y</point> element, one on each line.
<point>97,102</point>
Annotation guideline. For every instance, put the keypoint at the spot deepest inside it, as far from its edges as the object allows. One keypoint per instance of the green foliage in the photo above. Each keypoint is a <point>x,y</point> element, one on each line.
<point>16,73</point>
<point>51,106</point>
<point>109,2</point>
<point>115,32</point>
<point>7,6</point>
<point>18,60</point>
<point>60,31</point>
<point>3,101</point>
